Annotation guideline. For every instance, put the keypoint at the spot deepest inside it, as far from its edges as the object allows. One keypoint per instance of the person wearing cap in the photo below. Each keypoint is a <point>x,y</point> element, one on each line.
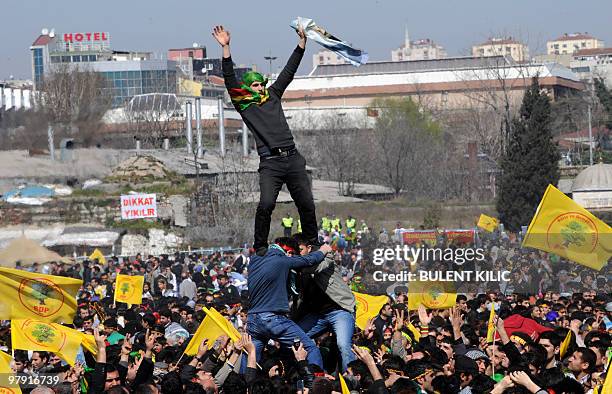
<point>480,358</point>
<point>466,370</point>
<point>280,162</point>
<point>268,298</point>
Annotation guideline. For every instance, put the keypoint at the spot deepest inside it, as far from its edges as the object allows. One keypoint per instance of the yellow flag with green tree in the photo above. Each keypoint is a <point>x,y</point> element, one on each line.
<point>128,289</point>
<point>29,334</point>
<point>563,227</point>
<point>431,294</point>
<point>37,296</point>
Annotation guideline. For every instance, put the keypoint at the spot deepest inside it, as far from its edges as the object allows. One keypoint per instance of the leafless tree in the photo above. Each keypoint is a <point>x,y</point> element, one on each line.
<point>73,100</point>
<point>341,154</point>
<point>151,117</point>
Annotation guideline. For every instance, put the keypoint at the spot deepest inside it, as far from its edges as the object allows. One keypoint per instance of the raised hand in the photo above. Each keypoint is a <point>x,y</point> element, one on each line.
<point>302,35</point>
<point>221,35</point>
<point>399,320</point>
<point>247,343</point>
<point>424,317</point>
<point>301,353</point>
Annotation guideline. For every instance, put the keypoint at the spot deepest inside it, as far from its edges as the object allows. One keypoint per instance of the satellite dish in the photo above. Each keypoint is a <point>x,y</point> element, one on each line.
<point>45,31</point>
<point>52,33</point>
<point>195,45</point>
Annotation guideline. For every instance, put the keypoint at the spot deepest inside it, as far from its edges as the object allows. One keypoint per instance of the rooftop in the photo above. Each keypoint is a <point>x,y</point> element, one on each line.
<point>387,67</point>
<point>593,51</point>
<point>574,36</point>
<point>42,40</point>
<point>500,41</point>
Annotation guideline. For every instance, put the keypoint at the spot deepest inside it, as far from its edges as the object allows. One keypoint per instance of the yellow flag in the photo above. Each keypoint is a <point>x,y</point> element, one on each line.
<point>89,343</point>
<point>28,334</point>
<point>367,306</point>
<point>343,387</point>
<point>5,370</point>
<point>212,327</point>
<point>487,223</point>
<point>433,295</point>
<point>561,226</point>
<point>128,289</point>
<point>491,326</point>
<point>415,333</point>
<point>97,254</point>
<point>37,296</point>
<point>565,344</point>
<point>607,385</point>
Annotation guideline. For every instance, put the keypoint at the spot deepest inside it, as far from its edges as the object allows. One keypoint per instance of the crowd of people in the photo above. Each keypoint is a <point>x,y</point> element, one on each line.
<point>295,311</point>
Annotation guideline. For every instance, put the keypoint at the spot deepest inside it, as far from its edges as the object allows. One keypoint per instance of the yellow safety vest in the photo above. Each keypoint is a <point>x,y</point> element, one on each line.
<point>350,223</point>
<point>325,223</point>
<point>288,222</point>
<point>299,226</point>
<point>335,224</point>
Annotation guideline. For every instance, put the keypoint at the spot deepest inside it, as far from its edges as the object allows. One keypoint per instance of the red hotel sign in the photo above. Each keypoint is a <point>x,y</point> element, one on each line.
<point>79,37</point>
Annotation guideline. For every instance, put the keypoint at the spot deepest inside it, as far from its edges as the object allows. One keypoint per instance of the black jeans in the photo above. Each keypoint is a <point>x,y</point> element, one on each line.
<point>273,173</point>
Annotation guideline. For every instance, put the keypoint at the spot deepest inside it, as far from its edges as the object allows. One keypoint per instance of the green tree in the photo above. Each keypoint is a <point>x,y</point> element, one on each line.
<point>41,291</point>
<point>43,333</point>
<point>530,162</point>
<point>605,98</point>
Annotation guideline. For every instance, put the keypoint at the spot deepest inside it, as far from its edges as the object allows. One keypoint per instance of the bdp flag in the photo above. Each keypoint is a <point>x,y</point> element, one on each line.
<point>37,296</point>
<point>487,223</point>
<point>5,371</point>
<point>28,334</point>
<point>561,226</point>
<point>97,254</point>
<point>368,306</point>
<point>432,295</point>
<point>212,327</point>
<point>128,289</point>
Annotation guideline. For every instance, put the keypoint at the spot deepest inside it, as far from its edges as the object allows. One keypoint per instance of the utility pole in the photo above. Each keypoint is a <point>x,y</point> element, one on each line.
<point>270,59</point>
<point>590,106</point>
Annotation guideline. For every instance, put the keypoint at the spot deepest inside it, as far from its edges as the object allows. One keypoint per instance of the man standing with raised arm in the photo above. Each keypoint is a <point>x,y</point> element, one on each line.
<point>280,162</point>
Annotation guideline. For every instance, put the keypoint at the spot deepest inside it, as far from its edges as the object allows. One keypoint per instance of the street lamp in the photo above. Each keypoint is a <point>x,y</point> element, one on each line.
<point>270,59</point>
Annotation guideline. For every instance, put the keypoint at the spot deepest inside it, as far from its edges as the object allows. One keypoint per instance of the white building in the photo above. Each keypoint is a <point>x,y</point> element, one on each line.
<point>327,57</point>
<point>423,49</point>
<point>593,63</point>
<point>571,43</point>
<point>508,47</point>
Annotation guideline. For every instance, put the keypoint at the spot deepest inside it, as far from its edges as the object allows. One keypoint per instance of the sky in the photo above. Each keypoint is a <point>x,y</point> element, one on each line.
<point>260,28</point>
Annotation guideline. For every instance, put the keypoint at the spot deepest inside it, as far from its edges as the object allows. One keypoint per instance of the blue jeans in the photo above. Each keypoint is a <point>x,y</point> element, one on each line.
<point>343,325</point>
<point>267,325</point>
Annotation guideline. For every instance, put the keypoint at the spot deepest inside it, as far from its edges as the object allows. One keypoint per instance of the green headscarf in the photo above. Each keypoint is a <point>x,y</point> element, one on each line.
<point>245,96</point>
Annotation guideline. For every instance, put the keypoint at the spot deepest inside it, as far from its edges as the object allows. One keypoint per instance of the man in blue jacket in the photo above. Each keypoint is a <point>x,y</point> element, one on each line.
<point>268,298</point>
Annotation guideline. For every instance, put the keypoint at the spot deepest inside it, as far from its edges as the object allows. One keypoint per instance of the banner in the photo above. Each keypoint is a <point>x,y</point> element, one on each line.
<point>37,296</point>
<point>128,289</point>
<point>460,236</point>
<point>432,295</point>
<point>368,306</point>
<point>138,206</point>
<point>212,327</point>
<point>316,33</point>
<point>416,237</point>
<point>561,226</point>
<point>28,334</point>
